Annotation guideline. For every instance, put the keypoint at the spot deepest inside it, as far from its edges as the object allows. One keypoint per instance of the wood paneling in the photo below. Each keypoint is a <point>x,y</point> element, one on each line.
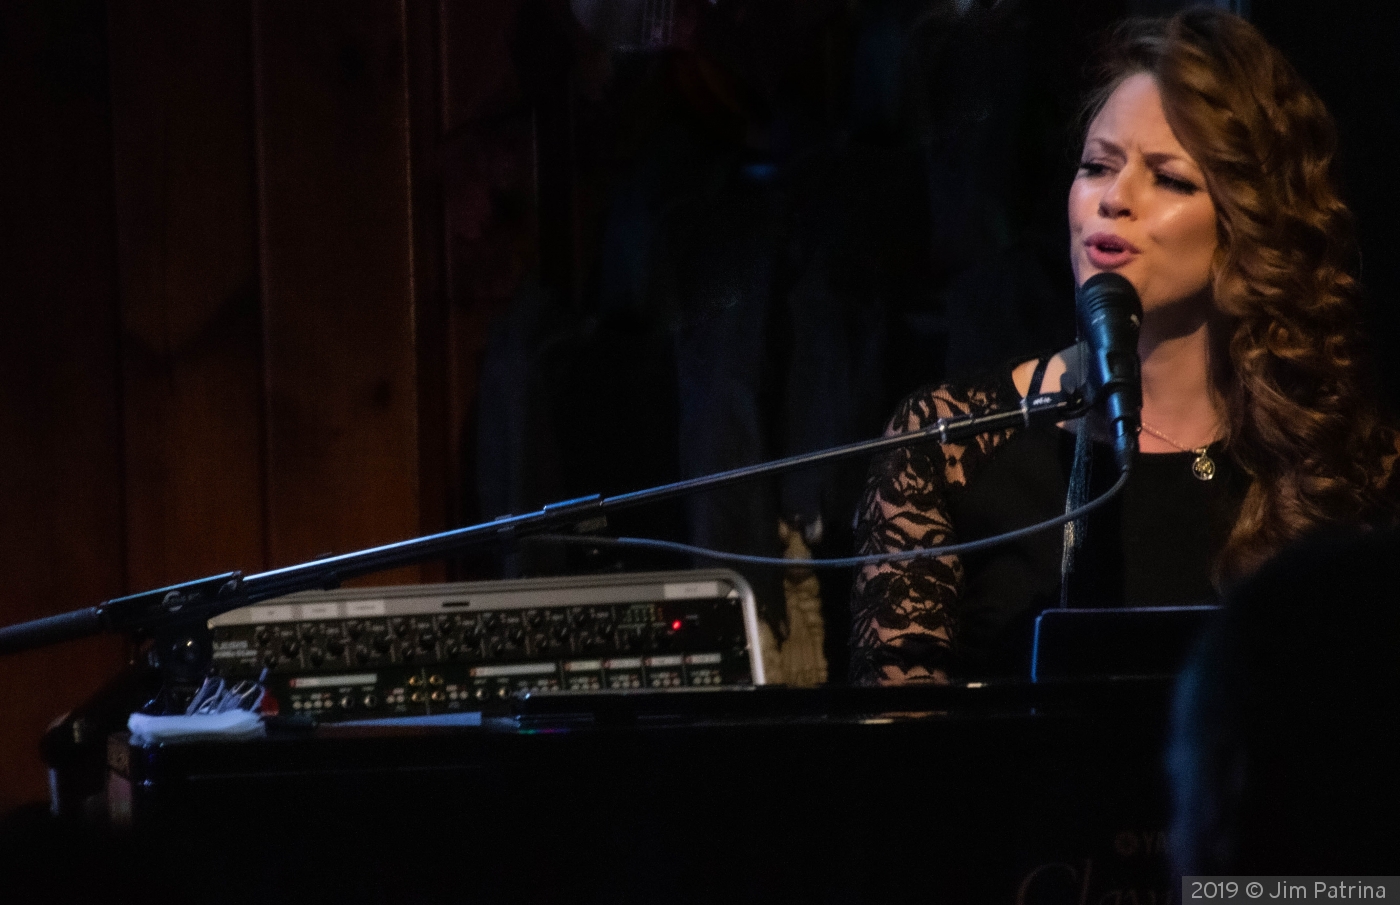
<point>478,73</point>
<point>439,483</point>
<point>337,276</point>
<point>60,434</point>
<point>191,324</point>
<point>490,210</point>
<point>228,340</point>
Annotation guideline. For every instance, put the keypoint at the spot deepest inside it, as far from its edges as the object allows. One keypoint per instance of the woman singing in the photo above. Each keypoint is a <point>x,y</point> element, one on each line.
<point>1206,180</point>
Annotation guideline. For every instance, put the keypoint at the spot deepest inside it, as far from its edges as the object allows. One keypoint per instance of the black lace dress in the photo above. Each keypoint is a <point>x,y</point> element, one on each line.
<point>973,615</point>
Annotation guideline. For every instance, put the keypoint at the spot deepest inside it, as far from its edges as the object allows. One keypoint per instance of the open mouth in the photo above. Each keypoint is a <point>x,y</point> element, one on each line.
<point>1107,251</point>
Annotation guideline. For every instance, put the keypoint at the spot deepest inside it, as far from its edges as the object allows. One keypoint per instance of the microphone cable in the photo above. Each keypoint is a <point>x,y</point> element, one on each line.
<point>844,562</point>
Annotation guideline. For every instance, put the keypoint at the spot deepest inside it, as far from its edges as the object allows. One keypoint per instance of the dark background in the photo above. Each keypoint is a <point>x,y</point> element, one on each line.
<point>282,279</point>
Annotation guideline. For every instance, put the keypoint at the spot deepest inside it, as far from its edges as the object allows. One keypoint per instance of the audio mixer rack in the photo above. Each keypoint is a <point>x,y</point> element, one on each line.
<point>436,649</point>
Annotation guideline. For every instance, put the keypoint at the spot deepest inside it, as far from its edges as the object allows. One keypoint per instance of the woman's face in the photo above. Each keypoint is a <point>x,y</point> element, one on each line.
<point>1138,205</point>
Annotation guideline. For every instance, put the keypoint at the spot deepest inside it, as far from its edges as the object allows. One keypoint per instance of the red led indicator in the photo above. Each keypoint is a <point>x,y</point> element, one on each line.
<point>676,626</point>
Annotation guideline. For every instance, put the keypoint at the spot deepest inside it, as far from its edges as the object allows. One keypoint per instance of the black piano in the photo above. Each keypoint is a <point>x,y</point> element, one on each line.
<point>1014,792</point>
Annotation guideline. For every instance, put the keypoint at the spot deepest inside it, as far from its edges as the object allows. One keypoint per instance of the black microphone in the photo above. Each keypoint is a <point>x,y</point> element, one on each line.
<point>1110,314</point>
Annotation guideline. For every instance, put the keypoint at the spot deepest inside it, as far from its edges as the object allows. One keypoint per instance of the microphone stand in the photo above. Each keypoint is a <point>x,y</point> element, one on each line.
<point>165,612</point>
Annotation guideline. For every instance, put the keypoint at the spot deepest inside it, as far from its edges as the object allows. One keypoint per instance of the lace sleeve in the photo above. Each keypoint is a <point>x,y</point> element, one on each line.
<point>904,613</point>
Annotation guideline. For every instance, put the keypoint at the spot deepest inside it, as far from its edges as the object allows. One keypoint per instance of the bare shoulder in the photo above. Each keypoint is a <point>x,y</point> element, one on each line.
<point>978,394</point>
<point>1054,372</point>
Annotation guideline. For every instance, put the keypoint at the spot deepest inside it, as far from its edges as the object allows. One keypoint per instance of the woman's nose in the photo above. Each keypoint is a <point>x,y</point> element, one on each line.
<point>1116,200</point>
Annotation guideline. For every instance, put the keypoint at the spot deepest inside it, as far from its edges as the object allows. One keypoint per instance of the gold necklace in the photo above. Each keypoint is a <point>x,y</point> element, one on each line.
<point>1203,467</point>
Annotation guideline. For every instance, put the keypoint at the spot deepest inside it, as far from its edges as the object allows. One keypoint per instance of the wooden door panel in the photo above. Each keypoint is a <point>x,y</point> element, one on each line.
<point>191,321</point>
<point>337,276</point>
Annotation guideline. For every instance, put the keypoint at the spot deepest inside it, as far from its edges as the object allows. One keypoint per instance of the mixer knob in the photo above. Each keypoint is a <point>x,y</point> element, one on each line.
<point>362,654</point>
<point>370,700</point>
<point>347,702</point>
<point>437,697</point>
<point>335,647</point>
<point>316,655</point>
<point>263,635</point>
<point>453,650</point>
<point>381,644</point>
<point>290,647</point>
<point>400,627</point>
<point>427,640</point>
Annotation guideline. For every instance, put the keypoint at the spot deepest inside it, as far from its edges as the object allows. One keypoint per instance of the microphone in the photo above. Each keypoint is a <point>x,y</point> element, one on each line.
<point>1109,314</point>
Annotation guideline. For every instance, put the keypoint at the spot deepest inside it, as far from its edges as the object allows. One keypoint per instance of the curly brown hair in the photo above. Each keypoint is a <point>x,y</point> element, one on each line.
<point>1292,367</point>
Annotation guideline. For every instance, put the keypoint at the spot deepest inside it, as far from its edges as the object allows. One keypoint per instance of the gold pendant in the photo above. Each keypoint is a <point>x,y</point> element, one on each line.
<point>1204,467</point>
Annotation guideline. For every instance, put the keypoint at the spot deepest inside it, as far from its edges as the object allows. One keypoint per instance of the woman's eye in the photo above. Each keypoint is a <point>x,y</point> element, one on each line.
<point>1090,168</point>
<point>1175,184</point>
